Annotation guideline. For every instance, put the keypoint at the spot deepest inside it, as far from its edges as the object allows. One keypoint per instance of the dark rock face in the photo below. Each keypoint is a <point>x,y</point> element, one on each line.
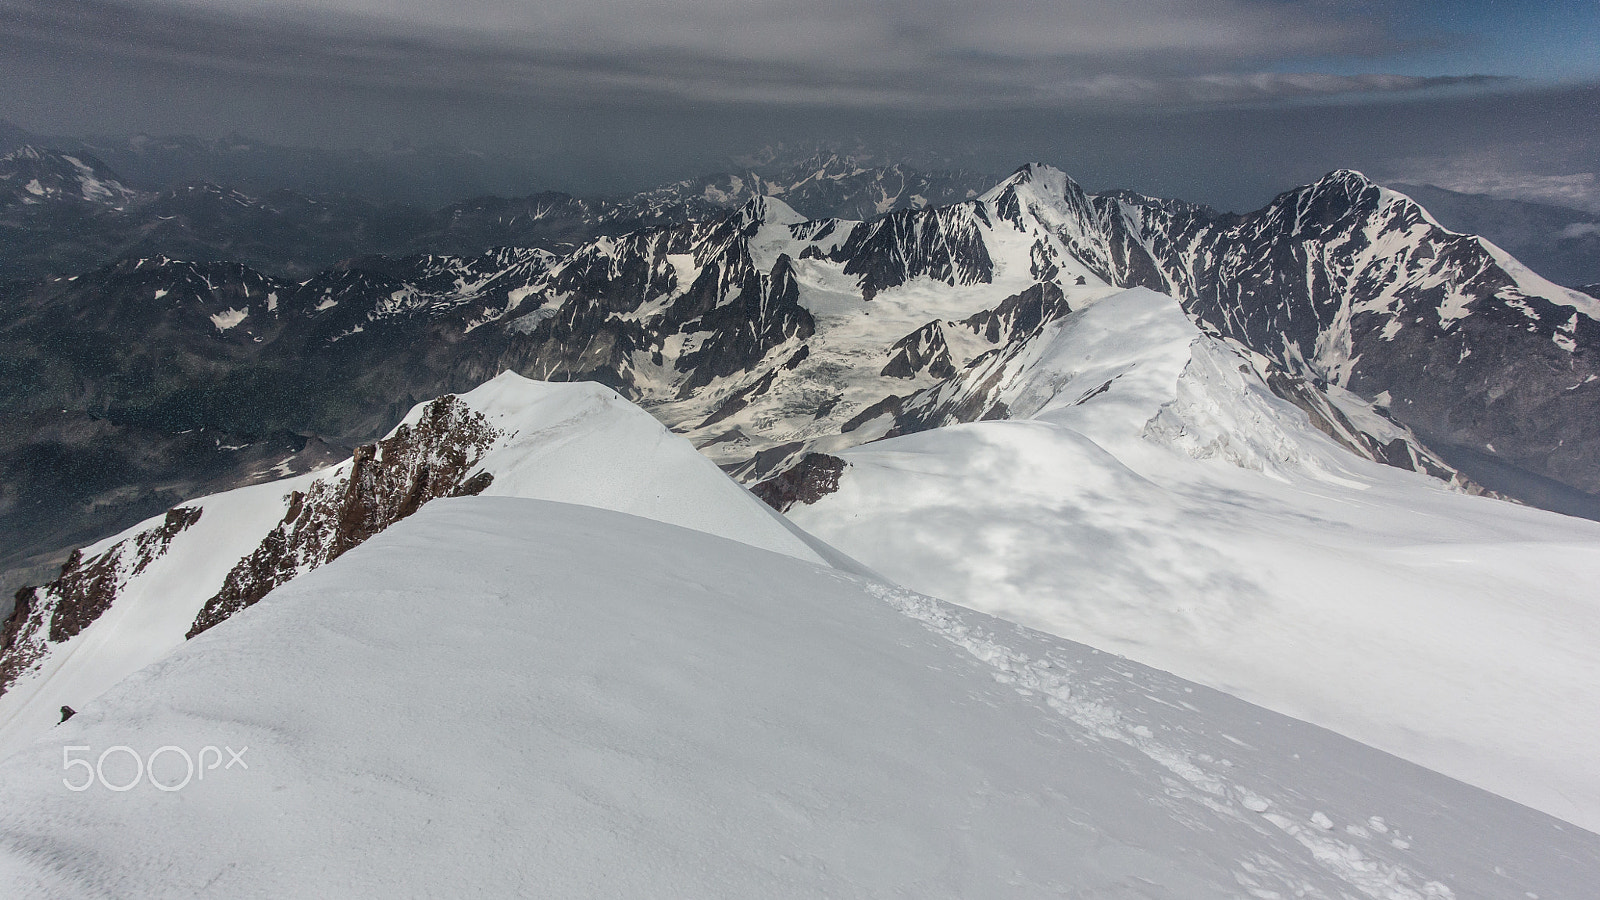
<point>1343,281</point>
<point>890,405</point>
<point>814,477</point>
<point>971,396</point>
<point>754,313</point>
<point>922,350</point>
<point>388,481</point>
<point>11,633</point>
<point>614,276</point>
<point>1020,314</point>
<point>740,399</point>
<point>85,589</point>
<point>944,244</point>
<point>769,461</point>
<point>1559,243</point>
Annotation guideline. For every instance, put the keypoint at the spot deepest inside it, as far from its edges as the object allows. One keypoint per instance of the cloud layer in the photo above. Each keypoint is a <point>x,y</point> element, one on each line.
<point>1220,101</point>
<point>930,53</point>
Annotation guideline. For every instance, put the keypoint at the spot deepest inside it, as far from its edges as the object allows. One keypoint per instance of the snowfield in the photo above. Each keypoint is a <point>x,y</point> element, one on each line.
<point>1150,497</point>
<point>505,696</point>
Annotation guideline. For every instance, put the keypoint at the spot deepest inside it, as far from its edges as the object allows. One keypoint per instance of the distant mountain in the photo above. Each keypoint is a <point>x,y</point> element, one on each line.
<point>82,215</point>
<point>829,185</point>
<point>30,176</point>
<point>61,213</point>
<point>1561,244</point>
<point>1350,283</point>
<point>398,174</point>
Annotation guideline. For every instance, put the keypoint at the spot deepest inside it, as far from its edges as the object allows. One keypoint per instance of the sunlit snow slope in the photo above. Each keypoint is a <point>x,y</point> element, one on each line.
<point>133,597</point>
<point>1149,496</point>
<point>503,697</point>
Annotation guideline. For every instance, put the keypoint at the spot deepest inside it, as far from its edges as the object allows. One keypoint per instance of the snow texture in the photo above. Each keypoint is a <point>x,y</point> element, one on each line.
<point>502,696</point>
<point>575,443</point>
<point>1150,497</point>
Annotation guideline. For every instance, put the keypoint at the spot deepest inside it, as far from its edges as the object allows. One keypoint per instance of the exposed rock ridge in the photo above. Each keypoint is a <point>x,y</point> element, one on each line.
<point>387,481</point>
<point>815,476</point>
<point>85,589</point>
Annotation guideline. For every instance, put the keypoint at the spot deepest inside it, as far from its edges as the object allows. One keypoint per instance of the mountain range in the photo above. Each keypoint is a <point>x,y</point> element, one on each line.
<point>765,335</point>
<point>64,211</point>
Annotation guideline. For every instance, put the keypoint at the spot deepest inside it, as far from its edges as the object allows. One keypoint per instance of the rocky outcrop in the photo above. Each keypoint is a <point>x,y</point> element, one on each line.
<point>17,650</point>
<point>944,244</point>
<point>740,399</point>
<point>386,481</point>
<point>85,589</point>
<point>811,479</point>
<point>888,406</point>
<point>1019,315</point>
<point>740,314</point>
<point>923,350</point>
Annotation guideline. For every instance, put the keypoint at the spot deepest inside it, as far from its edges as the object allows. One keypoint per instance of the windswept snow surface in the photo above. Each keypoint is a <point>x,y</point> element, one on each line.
<point>583,443</point>
<point>1187,518</point>
<point>575,443</point>
<point>504,697</point>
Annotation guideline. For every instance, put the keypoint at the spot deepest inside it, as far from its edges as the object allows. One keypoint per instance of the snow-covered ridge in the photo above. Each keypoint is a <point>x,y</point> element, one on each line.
<point>127,600</point>
<point>659,712</point>
<point>1130,481</point>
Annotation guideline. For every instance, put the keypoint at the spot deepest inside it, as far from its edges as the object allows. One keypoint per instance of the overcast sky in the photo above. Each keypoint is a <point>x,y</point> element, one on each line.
<point>1222,101</point>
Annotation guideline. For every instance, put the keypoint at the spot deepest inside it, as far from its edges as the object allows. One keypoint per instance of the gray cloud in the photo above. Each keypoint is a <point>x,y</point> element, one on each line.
<point>1505,172</point>
<point>1192,98</point>
<point>817,52</point>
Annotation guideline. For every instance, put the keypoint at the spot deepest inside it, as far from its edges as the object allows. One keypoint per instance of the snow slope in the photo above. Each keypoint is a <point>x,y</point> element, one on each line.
<point>502,696</point>
<point>1151,497</point>
<point>575,443</point>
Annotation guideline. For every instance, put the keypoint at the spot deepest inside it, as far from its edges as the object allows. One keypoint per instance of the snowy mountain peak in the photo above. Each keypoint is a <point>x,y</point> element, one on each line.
<point>31,175</point>
<point>1039,180</point>
<point>26,151</point>
<point>180,574</point>
<point>1350,178</point>
<point>768,210</point>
